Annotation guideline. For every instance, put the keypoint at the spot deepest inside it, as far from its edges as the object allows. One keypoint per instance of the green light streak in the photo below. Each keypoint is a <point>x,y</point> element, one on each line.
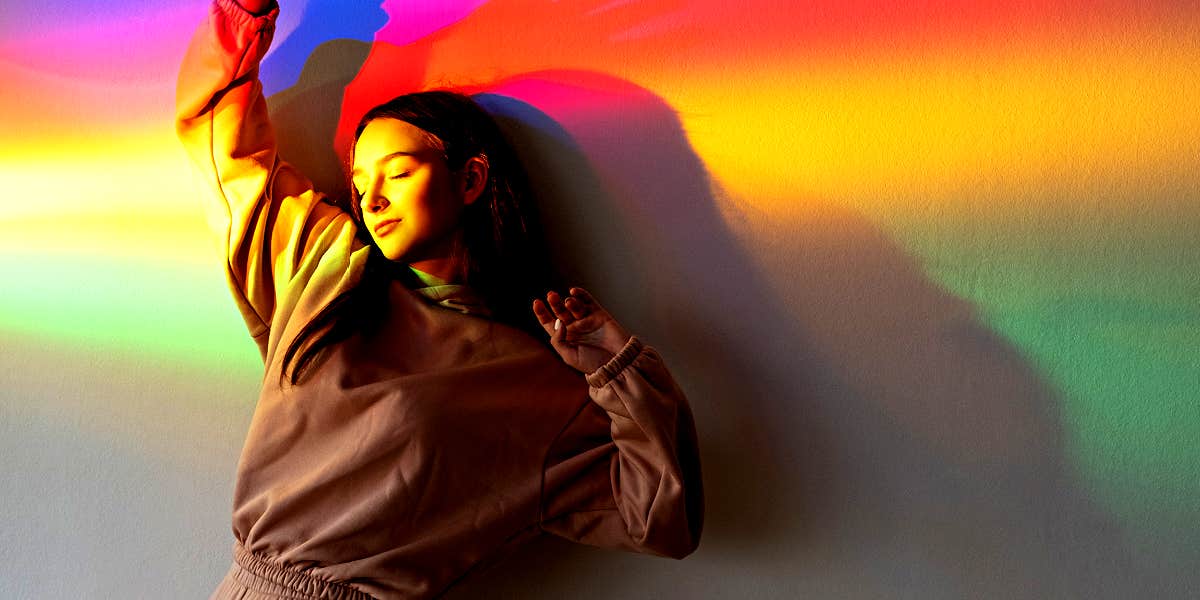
<point>178,312</point>
<point>1100,289</point>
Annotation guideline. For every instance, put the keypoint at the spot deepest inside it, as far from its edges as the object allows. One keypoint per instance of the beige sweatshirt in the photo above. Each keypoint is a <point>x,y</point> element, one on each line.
<point>412,456</point>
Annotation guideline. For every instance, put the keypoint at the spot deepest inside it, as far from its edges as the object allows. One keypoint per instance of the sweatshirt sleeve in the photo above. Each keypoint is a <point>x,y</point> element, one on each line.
<point>273,225</point>
<point>625,472</point>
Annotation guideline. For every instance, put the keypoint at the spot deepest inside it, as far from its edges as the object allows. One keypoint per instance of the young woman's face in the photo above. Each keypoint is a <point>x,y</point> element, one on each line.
<point>409,199</point>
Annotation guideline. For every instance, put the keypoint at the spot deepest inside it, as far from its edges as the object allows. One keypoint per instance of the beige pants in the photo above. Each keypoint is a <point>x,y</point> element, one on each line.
<point>256,577</point>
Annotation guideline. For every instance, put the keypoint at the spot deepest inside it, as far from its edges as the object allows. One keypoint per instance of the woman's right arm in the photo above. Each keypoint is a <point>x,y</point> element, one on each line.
<point>275,226</point>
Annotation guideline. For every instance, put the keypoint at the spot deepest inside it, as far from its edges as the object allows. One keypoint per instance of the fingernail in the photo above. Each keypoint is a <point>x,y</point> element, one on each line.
<point>557,324</point>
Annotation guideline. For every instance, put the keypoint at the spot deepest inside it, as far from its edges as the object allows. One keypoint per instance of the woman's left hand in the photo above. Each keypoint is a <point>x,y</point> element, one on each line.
<point>585,335</point>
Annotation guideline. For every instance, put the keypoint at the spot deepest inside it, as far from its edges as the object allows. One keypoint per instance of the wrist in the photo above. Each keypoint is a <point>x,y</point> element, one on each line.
<point>620,360</point>
<point>615,339</point>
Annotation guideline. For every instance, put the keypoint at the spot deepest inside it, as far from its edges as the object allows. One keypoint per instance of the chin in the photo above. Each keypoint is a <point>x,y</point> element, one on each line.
<point>399,257</point>
<point>395,252</point>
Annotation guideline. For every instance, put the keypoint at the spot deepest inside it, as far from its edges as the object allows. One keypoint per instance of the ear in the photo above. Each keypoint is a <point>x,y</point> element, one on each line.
<point>473,178</point>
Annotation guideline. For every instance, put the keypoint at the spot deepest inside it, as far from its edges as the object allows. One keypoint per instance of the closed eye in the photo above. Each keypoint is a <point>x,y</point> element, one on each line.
<point>400,175</point>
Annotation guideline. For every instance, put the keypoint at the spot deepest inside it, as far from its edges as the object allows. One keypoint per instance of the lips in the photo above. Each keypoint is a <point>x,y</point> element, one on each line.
<point>383,227</point>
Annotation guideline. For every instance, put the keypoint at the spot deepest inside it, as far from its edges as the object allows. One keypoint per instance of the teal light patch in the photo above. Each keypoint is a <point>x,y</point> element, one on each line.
<point>1101,291</point>
<point>182,313</point>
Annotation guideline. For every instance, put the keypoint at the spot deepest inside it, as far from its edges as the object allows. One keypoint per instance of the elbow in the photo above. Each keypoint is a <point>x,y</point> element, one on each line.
<point>683,550</point>
<point>679,540</point>
<point>677,548</point>
<point>694,529</point>
<point>679,535</point>
<point>693,509</point>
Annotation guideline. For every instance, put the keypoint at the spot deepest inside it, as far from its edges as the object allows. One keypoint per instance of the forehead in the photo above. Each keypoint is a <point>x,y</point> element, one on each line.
<point>383,137</point>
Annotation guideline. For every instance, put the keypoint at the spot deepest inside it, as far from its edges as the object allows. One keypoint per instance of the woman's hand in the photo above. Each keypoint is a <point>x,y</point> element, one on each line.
<point>583,333</point>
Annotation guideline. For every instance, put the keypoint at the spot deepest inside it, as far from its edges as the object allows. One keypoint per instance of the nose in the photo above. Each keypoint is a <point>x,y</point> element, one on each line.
<point>376,203</point>
<point>373,201</point>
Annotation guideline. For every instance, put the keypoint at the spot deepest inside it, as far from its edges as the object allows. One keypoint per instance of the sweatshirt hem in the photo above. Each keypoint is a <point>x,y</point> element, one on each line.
<point>261,573</point>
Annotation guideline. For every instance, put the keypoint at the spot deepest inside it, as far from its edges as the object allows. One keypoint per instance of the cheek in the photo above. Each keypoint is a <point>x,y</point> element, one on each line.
<point>441,207</point>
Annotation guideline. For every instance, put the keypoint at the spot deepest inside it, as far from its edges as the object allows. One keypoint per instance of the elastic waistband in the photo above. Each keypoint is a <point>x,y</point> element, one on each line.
<point>263,574</point>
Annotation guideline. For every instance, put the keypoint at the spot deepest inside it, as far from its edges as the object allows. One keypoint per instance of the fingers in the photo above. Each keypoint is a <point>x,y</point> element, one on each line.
<point>544,316</point>
<point>578,310</point>
<point>558,307</point>
<point>584,296</point>
<point>558,333</point>
<point>565,310</point>
<point>554,314</point>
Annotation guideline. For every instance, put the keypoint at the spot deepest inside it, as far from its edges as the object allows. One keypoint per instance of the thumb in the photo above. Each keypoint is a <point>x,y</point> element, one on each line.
<point>559,333</point>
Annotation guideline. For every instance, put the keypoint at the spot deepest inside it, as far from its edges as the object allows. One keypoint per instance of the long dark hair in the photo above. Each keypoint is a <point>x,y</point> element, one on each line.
<point>504,254</point>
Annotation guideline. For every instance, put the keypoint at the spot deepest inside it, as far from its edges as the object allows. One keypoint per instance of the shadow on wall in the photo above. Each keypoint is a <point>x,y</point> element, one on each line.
<point>862,430</point>
<point>305,115</point>
<point>323,20</point>
<point>849,408</point>
<point>305,75</point>
<point>621,191</point>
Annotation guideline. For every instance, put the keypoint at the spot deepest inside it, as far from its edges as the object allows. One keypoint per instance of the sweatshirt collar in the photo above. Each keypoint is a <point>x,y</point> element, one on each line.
<point>456,297</point>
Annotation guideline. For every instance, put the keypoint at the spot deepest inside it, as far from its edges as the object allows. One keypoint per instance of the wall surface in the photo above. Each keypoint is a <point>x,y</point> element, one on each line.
<point>929,273</point>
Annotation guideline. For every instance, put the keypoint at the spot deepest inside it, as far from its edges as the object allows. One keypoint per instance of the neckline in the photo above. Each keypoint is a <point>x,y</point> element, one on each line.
<point>453,296</point>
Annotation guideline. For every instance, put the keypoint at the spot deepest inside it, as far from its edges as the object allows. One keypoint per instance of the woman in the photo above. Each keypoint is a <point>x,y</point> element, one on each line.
<point>410,430</point>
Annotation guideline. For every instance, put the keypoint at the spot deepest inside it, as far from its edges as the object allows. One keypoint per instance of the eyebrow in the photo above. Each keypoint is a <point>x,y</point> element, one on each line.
<point>384,159</point>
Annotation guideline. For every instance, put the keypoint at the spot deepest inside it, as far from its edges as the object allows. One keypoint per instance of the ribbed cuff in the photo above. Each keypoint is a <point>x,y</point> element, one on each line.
<point>616,364</point>
<point>235,10</point>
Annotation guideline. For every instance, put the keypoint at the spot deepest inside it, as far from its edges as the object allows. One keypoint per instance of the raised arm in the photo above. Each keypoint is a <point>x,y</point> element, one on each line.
<point>275,227</point>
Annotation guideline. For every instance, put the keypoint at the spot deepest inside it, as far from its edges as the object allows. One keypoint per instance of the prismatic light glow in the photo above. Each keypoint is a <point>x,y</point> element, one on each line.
<point>1062,137</point>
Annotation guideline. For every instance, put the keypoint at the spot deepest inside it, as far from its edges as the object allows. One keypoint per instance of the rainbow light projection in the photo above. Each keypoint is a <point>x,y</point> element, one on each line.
<point>1063,137</point>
